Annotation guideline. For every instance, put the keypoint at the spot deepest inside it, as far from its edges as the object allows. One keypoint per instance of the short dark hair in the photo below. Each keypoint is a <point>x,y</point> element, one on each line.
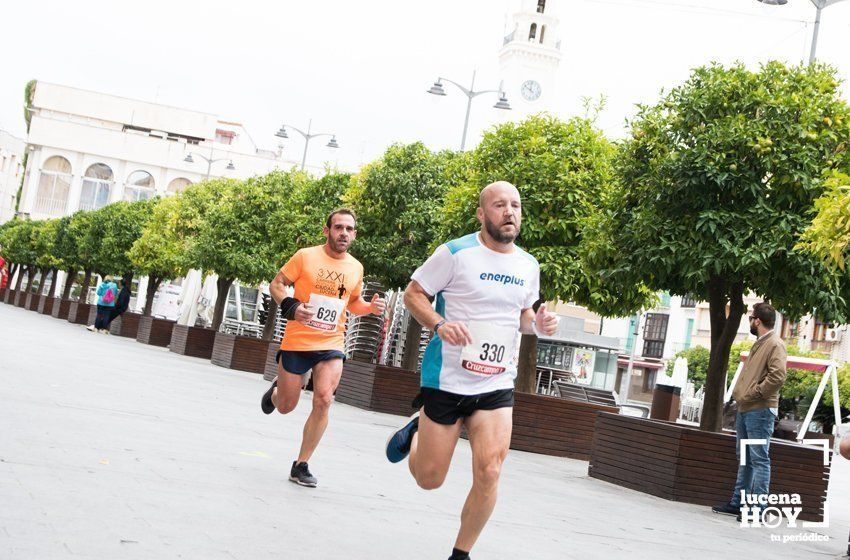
<point>346,211</point>
<point>765,313</point>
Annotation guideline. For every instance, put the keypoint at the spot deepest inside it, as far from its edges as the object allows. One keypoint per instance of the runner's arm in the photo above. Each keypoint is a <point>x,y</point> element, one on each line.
<point>418,301</point>
<point>277,287</point>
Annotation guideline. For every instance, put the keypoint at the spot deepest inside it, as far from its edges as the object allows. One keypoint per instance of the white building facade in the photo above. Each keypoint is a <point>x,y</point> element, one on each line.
<point>87,149</point>
<point>11,170</point>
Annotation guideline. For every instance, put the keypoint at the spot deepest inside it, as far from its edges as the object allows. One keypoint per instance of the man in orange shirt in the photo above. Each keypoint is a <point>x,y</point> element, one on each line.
<point>327,281</point>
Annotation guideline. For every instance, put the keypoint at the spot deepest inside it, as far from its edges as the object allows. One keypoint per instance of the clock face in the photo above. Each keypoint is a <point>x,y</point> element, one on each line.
<point>530,90</point>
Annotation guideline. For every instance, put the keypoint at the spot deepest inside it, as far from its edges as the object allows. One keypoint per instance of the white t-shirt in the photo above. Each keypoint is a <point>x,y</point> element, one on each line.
<point>487,291</point>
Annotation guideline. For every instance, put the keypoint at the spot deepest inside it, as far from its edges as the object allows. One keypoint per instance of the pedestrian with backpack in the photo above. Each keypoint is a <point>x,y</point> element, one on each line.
<point>107,293</point>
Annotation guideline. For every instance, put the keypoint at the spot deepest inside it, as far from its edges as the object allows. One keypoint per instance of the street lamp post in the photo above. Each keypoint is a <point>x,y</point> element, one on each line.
<point>819,5</point>
<point>437,89</point>
<point>307,137</point>
<point>210,161</point>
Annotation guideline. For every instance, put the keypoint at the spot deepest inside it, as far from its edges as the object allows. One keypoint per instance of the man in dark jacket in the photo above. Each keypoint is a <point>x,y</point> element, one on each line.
<point>122,302</point>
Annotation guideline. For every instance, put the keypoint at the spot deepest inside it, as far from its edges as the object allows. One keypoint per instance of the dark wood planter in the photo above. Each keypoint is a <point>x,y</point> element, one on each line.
<point>10,296</point>
<point>126,325</point>
<point>3,292</point>
<point>61,308</point>
<point>192,341</point>
<point>21,299</point>
<point>271,365</point>
<point>45,306</point>
<point>379,388</point>
<point>154,331</point>
<point>33,301</point>
<point>79,313</point>
<point>546,425</point>
<point>684,464</point>
<point>244,353</point>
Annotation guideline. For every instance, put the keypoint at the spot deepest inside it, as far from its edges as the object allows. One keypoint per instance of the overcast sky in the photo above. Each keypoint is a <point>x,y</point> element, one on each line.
<point>360,69</point>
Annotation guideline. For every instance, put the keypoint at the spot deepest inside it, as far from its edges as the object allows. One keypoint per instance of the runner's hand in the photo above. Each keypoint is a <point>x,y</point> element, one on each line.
<point>377,305</point>
<point>546,323</point>
<point>304,313</point>
<point>455,333</point>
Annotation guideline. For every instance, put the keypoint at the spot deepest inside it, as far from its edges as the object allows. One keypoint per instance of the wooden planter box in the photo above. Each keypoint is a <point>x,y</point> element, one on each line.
<point>379,388</point>
<point>10,296</point>
<point>61,308</point>
<point>245,353</point>
<point>270,372</point>
<point>154,331</point>
<point>542,424</point>
<point>81,313</point>
<point>126,325</point>
<point>192,341</point>
<point>21,299</point>
<point>33,300</point>
<point>684,464</point>
<point>45,306</point>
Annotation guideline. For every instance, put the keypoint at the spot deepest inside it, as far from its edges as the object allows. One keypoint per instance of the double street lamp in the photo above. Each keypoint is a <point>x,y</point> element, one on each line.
<point>502,103</point>
<point>210,161</point>
<point>820,5</point>
<point>307,137</point>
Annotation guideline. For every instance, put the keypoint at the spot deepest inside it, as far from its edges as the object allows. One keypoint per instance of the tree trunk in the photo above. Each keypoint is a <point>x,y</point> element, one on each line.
<point>44,271</point>
<point>223,287</point>
<point>20,281</point>
<point>410,356</point>
<point>526,381</point>
<point>84,290</point>
<point>153,286</point>
<point>724,327</point>
<point>271,320</point>
<point>54,276</point>
<point>128,279</point>
<point>13,268</point>
<point>30,277</point>
<point>69,283</point>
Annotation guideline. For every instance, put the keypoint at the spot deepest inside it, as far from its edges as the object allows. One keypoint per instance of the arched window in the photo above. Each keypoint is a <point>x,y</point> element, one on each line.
<point>541,5</point>
<point>533,32</point>
<point>54,183</point>
<point>139,186</point>
<point>96,186</point>
<point>542,32</point>
<point>178,185</point>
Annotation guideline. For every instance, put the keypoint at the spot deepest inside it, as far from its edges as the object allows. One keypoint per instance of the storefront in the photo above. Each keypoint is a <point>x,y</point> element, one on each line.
<point>578,357</point>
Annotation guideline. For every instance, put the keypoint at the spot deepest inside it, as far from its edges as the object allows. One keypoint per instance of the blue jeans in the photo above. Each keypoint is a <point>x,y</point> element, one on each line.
<point>754,477</point>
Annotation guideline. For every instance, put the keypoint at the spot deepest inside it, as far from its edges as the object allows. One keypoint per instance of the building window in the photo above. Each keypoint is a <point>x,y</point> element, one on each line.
<point>532,33</point>
<point>654,334</point>
<point>54,184</point>
<point>178,185</point>
<point>542,32</point>
<point>689,301</point>
<point>541,5</point>
<point>224,136</point>
<point>140,186</point>
<point>96,186</point>
<point>664,300</point>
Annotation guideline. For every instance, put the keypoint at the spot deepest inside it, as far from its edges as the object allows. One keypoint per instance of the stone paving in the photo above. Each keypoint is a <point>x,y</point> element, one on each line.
<point>110,449</point>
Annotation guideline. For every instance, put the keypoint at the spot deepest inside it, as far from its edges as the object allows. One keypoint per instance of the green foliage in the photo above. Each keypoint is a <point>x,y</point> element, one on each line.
<point>123,223</point>
<point>828,236</point>
<point>719,179</point>
<point>562,170</point>
<point>397,200</point>
<point>697,357</point>
<point>29,92</point>
<point>44,241</point>
<point>18,241</point>
<point>235,237</point>
<point>65,244</point>
<point>298,221</point>
<point>86,228</point>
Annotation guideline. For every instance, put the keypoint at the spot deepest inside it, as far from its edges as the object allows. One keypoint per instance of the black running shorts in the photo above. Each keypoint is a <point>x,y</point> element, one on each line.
<point>447,408</point>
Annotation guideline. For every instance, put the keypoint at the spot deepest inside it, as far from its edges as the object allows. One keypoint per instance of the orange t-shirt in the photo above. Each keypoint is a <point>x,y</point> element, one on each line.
<point>328,284</point>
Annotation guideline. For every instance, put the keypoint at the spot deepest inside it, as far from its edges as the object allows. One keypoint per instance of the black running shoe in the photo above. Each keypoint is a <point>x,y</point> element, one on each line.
<point>727,509</point>
<point>266,402</point>
<point>398,445</point>
<point>300,474</point>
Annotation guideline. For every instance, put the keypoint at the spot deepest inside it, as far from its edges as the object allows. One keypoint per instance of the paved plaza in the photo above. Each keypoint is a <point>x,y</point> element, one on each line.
<point>110,449</point>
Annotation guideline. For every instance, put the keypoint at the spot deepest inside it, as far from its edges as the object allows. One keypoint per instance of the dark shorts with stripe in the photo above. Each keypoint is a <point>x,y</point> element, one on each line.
<point>301,362</point>
<point>447,408</point>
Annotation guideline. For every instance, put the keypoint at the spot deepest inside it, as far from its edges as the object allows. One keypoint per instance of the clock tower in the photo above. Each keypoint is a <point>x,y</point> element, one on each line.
<point>529,58</point>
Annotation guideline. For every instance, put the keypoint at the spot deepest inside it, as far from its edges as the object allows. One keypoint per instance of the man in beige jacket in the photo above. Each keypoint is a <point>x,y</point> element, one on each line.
<point>757,395</point>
